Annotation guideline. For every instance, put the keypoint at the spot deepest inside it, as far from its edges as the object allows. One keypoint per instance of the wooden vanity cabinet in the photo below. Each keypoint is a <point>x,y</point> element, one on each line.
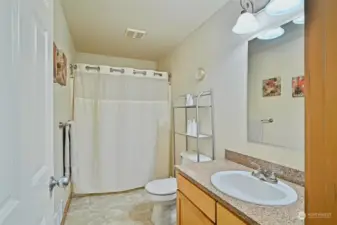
<point>188,213</point>
<point>195,207</point>
<point>225,217</point>
<point>200,199</point>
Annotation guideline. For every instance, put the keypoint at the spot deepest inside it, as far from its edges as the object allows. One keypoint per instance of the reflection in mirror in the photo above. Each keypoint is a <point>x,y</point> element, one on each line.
<point>276,89</point>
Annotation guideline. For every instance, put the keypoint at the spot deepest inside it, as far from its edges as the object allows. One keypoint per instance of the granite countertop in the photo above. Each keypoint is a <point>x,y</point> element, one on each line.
<point>200,174</point>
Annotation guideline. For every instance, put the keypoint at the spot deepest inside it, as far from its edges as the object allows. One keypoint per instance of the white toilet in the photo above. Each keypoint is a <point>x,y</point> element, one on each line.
<point>163,193</point>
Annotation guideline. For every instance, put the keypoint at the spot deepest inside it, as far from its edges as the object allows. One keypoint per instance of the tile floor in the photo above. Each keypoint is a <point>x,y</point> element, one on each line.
<point>132,208</point>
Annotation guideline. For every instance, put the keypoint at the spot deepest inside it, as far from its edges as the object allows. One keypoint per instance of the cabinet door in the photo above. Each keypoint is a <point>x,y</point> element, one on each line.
<point>189,214</point>
<point>199,198</point>
<point>225,217</point>
<point>321,111</point>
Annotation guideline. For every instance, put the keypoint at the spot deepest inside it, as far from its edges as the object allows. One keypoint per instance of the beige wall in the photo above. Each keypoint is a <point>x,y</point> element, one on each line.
<point>282,57</point>
<point>62,96</point>
<point>114,61</point>
<point>224,56</point>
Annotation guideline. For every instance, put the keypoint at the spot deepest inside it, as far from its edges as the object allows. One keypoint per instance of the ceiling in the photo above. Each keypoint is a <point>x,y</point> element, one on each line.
<point>98,26</point>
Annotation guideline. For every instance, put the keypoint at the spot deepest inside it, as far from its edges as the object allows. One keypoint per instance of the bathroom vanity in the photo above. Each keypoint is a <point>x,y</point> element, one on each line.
<point>200,203</point>
<point>196,207</point>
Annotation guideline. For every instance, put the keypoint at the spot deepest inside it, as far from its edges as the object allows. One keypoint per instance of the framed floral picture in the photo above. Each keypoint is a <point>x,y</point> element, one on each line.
<point>272,87</point>
<point>60,67</point>
<point>298,86</point>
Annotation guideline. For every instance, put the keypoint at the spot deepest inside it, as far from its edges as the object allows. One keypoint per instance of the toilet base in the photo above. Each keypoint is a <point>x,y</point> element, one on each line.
<point>164,213</point>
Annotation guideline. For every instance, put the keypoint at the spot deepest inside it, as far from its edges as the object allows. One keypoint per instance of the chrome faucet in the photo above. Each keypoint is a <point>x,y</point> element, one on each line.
<point>264,174</point>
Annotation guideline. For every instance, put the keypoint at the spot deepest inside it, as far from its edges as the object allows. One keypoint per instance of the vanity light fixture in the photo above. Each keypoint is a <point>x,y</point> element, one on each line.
<point>300,20</point>
<point>271,34</point>
<point>281,7</point>
<point>247,23</point>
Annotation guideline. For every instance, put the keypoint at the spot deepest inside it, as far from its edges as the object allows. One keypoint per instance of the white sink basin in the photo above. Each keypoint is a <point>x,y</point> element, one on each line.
<point>242,185</point>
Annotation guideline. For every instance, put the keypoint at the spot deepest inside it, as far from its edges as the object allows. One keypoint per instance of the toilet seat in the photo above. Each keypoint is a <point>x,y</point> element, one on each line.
<point>162,187</point>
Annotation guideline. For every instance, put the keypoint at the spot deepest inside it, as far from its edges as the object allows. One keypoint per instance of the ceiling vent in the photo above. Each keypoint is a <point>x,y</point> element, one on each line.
<point>135,34</point>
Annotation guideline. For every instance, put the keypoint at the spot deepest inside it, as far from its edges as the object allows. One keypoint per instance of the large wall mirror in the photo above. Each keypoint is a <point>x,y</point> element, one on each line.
<point>276,87</point>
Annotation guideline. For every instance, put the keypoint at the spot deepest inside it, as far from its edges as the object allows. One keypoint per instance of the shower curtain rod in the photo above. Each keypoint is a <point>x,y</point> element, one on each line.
<point>98,68</point>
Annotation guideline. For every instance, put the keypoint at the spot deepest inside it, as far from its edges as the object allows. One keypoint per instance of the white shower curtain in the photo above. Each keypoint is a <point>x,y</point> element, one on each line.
<point>121,121</point>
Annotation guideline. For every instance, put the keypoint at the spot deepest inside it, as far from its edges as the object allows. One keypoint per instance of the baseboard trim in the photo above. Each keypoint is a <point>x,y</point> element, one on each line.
<point>66,209</point>
<point>106,193</point>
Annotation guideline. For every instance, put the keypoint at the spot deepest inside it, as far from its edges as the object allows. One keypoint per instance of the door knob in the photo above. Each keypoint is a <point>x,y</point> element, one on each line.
<point>63,182</point>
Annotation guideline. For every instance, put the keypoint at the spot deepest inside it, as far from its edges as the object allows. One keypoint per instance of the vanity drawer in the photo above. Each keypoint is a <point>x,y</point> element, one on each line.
<point>199,198</point>
<point>226,217</point>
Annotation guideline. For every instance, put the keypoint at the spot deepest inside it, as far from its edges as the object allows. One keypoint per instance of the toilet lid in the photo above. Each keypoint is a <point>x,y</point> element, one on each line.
<point>162,187</point>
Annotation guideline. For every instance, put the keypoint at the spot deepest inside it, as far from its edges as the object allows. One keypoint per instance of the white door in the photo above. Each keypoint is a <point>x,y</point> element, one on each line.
<point>26,112</point>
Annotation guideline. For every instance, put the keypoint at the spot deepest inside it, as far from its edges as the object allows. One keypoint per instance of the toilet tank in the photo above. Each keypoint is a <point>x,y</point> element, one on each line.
<point>191,157</point>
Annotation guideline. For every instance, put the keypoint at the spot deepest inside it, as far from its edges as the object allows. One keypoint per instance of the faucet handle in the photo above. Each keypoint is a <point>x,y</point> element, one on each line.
<point>264,174</point>
<point>258,172</point>
<point>272,178</point>
<point>273,175</point>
